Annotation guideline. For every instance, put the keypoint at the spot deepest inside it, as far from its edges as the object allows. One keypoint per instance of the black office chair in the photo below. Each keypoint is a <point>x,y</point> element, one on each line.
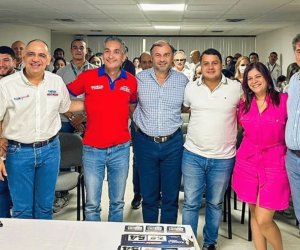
<point>71,155</point>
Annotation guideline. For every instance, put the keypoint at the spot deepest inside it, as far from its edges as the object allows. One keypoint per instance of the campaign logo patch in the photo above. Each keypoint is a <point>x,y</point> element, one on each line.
<point>97,87</point>
<point>21,97</point>
<point>125,88</point>
<point>52,93</point>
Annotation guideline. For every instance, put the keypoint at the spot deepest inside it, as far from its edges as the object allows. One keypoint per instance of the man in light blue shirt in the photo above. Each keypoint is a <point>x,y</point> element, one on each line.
<point>159,139</point>
<point>292,133</point>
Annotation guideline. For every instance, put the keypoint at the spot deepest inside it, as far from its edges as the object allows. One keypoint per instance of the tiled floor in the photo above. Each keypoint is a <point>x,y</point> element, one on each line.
<point>290,233</point>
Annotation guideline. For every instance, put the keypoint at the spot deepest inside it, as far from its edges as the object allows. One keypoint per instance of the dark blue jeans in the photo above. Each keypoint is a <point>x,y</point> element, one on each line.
<point>5,199</point>
<point>135,173</point>
<point>159,162</point>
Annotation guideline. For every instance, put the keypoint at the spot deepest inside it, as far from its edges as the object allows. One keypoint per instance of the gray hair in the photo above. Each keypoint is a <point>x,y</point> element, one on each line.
<point>180,52</point>
<point>295,41</point>
<point>116,39</point>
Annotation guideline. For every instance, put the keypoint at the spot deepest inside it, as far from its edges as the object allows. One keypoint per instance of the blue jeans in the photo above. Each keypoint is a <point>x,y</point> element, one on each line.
<point>32,175</point>
<point>135,173</point>
<point>159,162</point>
<point>5,199</point>
<point>198,172</point>
<point>293,169</point>
<point>116,159</point>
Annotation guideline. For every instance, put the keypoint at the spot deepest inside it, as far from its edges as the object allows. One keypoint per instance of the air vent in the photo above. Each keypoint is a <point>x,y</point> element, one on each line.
<point>234,20</point>
<point>96,30</point>
<point>64,20</point>
<point>217,31</point>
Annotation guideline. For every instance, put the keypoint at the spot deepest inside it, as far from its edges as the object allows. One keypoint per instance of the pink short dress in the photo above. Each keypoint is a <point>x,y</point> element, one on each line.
<point>260,160</point>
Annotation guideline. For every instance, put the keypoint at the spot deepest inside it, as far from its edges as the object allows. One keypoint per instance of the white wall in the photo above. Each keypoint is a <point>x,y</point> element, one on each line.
<point>279,41</point>
<point>62,41</point>
<point>11,33</point>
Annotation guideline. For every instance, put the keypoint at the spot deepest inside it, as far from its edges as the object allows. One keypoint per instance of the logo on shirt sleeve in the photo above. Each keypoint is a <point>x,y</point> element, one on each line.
<point>52,93</point>
<point>125,88</point>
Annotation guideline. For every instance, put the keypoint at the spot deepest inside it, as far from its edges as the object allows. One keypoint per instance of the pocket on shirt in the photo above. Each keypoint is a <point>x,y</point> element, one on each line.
<point>52,104</point>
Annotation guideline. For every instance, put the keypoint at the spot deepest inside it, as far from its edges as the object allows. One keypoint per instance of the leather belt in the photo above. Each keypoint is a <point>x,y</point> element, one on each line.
<point>296,152</point>
<point>160,139</point>
<point>38,144</point>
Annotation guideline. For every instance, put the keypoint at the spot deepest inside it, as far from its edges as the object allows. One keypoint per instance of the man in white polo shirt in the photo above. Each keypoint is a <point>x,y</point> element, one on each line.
<point>30,103</point>
<point>209,153</point>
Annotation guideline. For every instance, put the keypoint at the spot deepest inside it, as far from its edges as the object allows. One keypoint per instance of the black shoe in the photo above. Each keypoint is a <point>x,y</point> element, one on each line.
<point>209,247</point>
<point>136,202</point>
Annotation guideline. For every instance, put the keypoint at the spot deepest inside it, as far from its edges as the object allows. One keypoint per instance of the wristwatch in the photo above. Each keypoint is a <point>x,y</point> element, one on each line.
<point>71,117</point>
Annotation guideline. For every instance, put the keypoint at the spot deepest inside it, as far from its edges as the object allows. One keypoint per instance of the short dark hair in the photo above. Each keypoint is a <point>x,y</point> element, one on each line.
<point>7,50</point>
<point>273,53</point>
<point>89,49</point>
<point>59,50</point>
<point>93,56</point>
<point>254,54</point>
<point>136,58</point>
<point>281,78</point>
<point>59,58</point>
<point>160,43</point>
<point>211,51</point>
<point>77,40</point>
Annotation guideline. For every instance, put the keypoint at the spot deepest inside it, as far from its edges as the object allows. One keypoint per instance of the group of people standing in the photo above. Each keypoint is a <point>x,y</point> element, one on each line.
<point>32,99</point>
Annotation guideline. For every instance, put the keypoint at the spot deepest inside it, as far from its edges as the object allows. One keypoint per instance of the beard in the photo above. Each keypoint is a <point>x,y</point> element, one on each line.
<point>7,73</point>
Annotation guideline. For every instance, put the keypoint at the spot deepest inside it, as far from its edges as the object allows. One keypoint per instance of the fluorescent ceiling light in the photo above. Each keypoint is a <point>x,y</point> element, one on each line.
<point>167,27</point>
<point>162,7</point>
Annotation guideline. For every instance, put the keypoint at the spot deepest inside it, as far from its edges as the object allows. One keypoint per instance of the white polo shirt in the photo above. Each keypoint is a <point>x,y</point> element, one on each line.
<point>212,128</point>
<point>30,113</point>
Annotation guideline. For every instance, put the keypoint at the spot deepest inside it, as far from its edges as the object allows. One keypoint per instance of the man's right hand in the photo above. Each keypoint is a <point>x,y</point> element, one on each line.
<point>2,170</point>
<point>3,147</point>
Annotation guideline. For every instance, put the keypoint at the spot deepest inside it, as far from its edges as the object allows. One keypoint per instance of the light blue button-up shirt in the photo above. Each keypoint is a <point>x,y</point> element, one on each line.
<point>292,132</point>
<point>158,112</point>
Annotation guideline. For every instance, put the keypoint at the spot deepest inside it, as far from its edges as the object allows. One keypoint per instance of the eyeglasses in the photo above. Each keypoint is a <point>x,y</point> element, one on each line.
<point>179,60</point>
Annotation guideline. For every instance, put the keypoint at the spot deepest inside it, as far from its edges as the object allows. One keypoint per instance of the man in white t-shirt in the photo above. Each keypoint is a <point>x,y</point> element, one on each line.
<point>209,153</point>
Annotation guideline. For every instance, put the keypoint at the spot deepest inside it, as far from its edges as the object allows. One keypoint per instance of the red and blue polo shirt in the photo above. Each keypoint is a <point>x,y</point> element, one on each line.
<point>107,106</point>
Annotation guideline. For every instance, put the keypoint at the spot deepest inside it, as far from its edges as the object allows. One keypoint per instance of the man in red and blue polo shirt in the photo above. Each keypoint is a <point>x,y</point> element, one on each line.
<point>110,97</point>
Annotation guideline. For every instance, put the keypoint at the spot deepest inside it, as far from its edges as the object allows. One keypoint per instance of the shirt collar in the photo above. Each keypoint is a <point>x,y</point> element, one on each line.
<point>85,63</point>
<point>101,72</point>
<point>223,80</point>
<point>25,80</point>
<point>152,73</point>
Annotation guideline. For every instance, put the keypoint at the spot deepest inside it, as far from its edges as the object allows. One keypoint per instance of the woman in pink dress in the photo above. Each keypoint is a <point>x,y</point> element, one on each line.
<point>259,175</point>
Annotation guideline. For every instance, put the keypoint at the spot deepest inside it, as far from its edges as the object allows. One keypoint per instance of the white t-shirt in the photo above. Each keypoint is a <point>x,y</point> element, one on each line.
<point>30,113</point>
<point>212,128</point>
